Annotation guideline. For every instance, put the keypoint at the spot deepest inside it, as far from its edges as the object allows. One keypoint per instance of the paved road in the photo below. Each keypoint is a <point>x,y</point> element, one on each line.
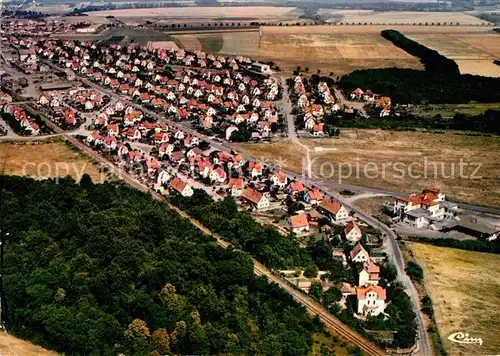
<point>287,112</point>
<point>313,307</point>
<point>395,254</point>
<point>360,106</point>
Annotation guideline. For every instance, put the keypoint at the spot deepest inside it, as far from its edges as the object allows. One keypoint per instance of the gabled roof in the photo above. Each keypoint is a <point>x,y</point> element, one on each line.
<point>252,195</point>
<point>362,291</point>
<point>331,206</point>
<point>236,182</point>
<point>315,194</point>
<point>356,250</point>
<point>300,220</point>
<point>351,226</point>
<point>297,186</point>
<point>178,184</point>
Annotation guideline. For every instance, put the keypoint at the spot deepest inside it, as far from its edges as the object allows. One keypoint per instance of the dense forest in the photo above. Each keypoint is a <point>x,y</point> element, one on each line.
<point>103,269</point>
<point>278,252</point>
<point>265,243</point>
<point>488,122</point>
<point>433,61</point>
<point>418,87</point>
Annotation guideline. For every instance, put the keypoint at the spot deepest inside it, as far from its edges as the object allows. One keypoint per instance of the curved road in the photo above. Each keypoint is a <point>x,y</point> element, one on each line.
<point>312,306</point>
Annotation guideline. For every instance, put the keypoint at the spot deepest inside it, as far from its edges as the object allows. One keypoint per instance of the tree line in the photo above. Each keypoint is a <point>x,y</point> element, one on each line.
<point>433,61</point>
<point>104,269</point>
<point>487,122</point>
<point>411,86</point>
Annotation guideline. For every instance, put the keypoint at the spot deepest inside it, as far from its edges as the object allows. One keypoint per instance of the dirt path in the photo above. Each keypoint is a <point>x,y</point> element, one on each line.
<point>12,346</point>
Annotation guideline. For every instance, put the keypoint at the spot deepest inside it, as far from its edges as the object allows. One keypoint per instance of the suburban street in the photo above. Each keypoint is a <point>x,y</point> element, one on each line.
<point>313,307</point>
<point>394,251</point>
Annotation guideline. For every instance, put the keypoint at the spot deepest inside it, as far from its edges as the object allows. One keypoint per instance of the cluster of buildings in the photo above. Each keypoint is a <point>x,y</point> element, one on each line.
<point>22,122</point>
<point>381,103</point>
<point>39,28</point>
<point>313,102</point>
<point>207,89</point>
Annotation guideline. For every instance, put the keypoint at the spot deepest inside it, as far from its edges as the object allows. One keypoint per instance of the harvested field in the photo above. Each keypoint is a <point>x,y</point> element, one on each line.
<point>473,53</point>
<point>11,345</point>
<point>189,42</point>
<point>232,43</point>
<point>398,161</point>
<point>373,29</point>
<point>464,289</point>
<point>220,13</point>
<point>342,49</point>
<point>401,17</point>
<point>372,205</point>
<point>339,53</point>
<point>46,160</point>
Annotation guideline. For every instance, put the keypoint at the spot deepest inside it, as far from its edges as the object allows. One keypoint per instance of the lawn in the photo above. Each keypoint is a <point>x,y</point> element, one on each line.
<point>46,160</point>
<point>465,290</point>
<point>400,161</point>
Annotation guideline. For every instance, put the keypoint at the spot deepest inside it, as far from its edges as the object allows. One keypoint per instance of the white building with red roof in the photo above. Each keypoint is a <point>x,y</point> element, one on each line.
<point>369,275</point>
<point>256,199</point>
<point>299,224</point>
<point>352,232</point>
<point>421,210</point>
<point>371,300</point>
<point>236,186</point>
<point>181,187</point>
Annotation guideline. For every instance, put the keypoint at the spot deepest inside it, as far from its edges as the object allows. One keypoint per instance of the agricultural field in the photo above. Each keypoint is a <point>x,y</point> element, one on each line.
<point>46,160</point>
<point>463,286</point>
<point>450,110</point>
<point>11,345</point>
<point>233,43</point>
<point>399,17</point>
<point>333,52</point>
<point>424,158</point>
<point>473,53</point>
<point>196,14</point>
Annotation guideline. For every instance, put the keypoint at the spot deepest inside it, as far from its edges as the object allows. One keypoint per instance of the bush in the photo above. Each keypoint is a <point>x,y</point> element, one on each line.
<point>414,271</point>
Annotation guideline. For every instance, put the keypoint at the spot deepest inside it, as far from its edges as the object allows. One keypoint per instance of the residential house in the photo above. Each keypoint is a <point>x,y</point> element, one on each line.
<point>256,199</point>
<point>358,254</point>
<point>236,186</point>
<point>352,232</point>
<point>371,300</point>
<point>313,196</point>
<point>181,187</point>
<point>369,275</point>
<point>299,224</point>
<point>334,210</point>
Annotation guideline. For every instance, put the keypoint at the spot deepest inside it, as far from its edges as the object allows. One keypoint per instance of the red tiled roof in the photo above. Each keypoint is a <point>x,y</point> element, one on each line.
<point>178,185</point>
<point>350,226</point>
<point>252,195</point>
<point>362,291</point>
<point>356,250</point>
<point>332,207</point>
<point>236,182</point>
<point>315,194</point>
<point>300,220</point>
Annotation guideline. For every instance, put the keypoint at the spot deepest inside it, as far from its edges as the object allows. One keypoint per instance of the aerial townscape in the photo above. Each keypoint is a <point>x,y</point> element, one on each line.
<point>219,177</point>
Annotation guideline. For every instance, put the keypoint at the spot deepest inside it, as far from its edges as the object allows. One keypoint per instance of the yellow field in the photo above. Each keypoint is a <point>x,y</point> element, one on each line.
<point>340,53</point>
<point>464,287</point>
<point>11,345</point>
<point>233,43</point>
<point>398,161</point>
<point>401,17</point>
<point>473,53</point>
<point>263,13</point>
<point>46,160</point>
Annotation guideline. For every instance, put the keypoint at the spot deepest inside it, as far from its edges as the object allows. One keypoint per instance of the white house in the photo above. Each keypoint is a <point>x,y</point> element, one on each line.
<point>181,187</point>
<point>236,186</point>
<point>334,210</point>
<point>257,199</point>
<point>352,232</point>
<point>371,300</point>
<point>369,275</point>
<point>359,254</point>
<point>299,224</point>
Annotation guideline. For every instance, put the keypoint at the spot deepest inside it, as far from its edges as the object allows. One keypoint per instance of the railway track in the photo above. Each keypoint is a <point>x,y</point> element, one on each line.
<point>312,307</point>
